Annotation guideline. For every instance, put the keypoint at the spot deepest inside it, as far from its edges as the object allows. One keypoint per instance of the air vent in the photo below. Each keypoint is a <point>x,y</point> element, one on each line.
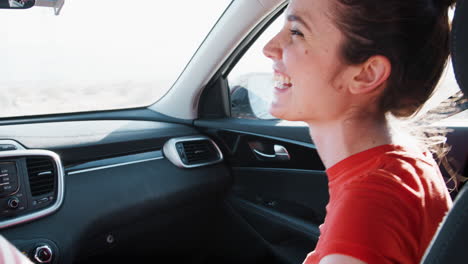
<point>188,152</point>
<point>42,175</point>
<point>197,151</point>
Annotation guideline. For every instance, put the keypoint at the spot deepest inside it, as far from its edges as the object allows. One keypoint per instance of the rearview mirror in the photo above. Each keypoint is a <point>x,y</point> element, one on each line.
<point>17,4</point>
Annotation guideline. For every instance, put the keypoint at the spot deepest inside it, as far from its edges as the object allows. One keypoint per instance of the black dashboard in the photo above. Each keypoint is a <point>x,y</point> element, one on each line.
<point>107,185</point>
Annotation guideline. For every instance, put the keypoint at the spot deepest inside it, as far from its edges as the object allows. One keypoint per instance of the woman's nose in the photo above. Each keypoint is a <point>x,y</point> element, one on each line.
<point>272,49</point>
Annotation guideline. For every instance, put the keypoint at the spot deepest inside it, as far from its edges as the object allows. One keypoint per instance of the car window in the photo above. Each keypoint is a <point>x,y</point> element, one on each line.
<point>251,81</point>
<point>97,55</point>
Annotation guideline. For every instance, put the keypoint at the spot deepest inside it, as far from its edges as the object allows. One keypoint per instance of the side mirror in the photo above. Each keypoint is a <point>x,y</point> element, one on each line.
<point>17,4</point>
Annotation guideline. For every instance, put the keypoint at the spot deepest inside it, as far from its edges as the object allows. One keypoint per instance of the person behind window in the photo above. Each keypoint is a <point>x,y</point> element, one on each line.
<point>345,67</point>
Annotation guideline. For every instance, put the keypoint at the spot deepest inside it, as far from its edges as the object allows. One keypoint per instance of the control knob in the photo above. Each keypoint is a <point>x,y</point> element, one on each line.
<point>13,202</point>
<point>43,254</point>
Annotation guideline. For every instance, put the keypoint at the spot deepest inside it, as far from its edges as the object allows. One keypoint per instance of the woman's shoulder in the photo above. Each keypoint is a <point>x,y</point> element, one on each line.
<point>410,167</point>
<point>405,173</point>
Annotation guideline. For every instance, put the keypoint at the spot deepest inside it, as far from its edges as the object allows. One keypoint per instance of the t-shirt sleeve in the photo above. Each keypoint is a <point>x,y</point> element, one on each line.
<point>375,220</point>
<point>9,254</point>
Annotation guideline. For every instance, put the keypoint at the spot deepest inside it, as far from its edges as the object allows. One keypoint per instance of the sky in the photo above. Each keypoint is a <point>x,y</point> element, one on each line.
<point>104,40</point>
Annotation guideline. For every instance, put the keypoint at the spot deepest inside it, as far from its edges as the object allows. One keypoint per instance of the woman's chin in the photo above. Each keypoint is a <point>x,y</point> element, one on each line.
<point>278,111</point>
<point>285,113</point>
<point>275,112</point>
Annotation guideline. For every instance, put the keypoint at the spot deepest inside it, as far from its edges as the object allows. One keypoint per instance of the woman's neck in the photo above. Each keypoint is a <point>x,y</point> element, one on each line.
<point>339,139</point>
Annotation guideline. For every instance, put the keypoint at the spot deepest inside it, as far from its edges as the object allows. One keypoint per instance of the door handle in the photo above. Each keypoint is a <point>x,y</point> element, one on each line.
<point>281,153</point>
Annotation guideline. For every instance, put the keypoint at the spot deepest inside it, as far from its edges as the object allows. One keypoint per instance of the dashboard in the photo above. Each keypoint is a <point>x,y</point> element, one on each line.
<point>73,190</point>
<point>31,184</point>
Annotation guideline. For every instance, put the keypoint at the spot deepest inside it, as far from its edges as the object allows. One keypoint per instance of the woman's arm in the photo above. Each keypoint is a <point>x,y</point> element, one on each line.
<point>10,255</point>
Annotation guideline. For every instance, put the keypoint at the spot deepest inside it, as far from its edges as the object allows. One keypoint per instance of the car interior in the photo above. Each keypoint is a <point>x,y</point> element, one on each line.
<point>183,180</point>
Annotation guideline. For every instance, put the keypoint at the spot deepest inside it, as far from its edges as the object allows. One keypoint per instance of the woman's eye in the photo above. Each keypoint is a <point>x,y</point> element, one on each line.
<point>296,32</point>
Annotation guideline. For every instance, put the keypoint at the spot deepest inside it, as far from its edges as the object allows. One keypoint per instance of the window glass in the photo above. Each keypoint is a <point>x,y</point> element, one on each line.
<point>97,55</point>
<point>251,80</point>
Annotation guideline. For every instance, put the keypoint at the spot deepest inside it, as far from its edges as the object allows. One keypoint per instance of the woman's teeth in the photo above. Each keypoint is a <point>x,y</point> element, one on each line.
<point>282,82</point>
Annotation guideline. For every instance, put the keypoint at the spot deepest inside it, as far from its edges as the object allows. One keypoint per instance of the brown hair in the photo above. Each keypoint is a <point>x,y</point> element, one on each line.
<point>412,34</point>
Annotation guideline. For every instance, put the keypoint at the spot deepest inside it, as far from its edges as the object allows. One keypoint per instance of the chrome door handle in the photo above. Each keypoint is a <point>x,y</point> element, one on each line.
<point>281,153</point>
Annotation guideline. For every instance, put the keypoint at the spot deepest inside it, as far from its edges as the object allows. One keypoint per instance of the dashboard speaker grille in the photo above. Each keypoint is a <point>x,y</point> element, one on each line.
<point>197,151</point>
<point>42,174</point>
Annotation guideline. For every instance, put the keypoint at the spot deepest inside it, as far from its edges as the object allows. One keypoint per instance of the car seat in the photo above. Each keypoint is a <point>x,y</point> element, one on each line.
<point>450,240</point>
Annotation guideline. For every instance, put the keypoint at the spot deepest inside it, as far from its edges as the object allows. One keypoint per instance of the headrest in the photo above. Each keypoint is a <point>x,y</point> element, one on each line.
<point>459,44</point>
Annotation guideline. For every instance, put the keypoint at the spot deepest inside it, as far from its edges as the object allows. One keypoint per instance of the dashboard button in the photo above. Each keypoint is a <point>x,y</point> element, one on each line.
<point>8,168</point>
<point>13,202</point>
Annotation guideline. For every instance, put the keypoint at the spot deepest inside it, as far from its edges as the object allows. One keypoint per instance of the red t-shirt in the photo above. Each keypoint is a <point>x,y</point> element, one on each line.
<point>385,206</point>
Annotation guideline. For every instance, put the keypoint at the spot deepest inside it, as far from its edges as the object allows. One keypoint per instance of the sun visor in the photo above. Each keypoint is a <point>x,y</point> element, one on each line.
<point>459,45</point>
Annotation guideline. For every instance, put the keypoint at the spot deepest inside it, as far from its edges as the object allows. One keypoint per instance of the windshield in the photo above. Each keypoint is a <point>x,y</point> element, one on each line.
<point>97,55</point>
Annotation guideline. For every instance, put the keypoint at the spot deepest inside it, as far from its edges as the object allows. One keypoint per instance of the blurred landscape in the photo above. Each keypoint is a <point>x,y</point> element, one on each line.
<point>29,98</point>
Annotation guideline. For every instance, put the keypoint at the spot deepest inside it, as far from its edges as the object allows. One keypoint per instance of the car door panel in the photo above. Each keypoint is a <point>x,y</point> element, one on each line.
<point>289,238</point>
<point>283,200</point>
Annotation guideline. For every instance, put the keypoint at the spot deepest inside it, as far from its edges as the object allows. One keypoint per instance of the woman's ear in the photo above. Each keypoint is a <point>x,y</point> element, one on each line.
<point>370,76</point>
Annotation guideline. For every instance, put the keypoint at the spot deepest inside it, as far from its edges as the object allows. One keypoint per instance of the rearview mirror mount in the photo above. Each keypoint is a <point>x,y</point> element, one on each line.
<point>55,4</point>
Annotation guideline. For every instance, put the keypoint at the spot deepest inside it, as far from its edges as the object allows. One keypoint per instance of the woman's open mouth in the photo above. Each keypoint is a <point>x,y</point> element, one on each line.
<point>282,81</point>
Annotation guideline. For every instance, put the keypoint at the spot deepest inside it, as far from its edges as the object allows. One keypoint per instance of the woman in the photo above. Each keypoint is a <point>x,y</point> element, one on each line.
<point>343,67</point>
